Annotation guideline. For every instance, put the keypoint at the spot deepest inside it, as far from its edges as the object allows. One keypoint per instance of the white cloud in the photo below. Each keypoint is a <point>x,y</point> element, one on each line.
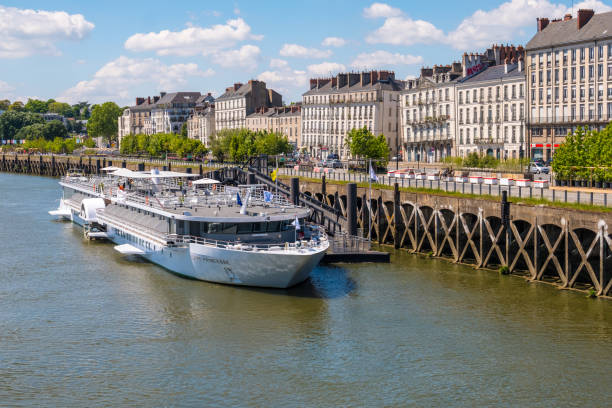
<point>278,63</point>
<point>5,87</point>
<point>483,28</point>
<point>403,30</point>
<point>384,59</point>
<point>193,40</point>
<point>377,10</point>
<point>25,32</point>
<point>326,68</point>
<point>245,57</point>
<point>333,42</point>
<point>116,79</point>
<point>295,50</point>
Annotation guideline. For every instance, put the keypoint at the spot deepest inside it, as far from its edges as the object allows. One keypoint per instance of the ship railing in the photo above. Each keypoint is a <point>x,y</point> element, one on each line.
<point>349,244</point>
<point>249,247</point>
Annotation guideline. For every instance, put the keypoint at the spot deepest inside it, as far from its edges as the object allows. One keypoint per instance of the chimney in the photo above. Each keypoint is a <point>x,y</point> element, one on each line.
<point>156,98</point>
<point>342,80</point>
<point>237,86</point>
<point>426,72</point>
<point>373,77</point>
<point>520,64</point>
<point>162,94</point>
<point>353,78</point>
<point>567,17</point>
<point>584,15</point>
<point>139,101</point>
<point>506,61</point>
<point>313,83</point>
<point>334,82</point>
<point>149,100</point>
<point>542,23</point>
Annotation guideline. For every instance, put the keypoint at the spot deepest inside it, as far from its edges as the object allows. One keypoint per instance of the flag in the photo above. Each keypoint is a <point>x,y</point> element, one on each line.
<point>267,196</point>
<point>238,200</point>
<point>373,176</point>
<point>296,223</point>
<point>273,174</point>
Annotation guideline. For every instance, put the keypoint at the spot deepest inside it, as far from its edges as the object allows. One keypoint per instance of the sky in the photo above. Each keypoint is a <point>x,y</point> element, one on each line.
<point>99,51</point>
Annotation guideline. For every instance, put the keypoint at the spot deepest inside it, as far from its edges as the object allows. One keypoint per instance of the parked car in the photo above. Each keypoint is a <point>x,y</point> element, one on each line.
<point>335,164</point>
<point>537,168</point>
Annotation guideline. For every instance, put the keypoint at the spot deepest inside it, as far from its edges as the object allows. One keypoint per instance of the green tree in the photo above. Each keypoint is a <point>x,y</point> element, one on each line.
<point>17,106</point>
<point>184,130</point>
<point>103,121</point>
<point>61,108</point>
<point>12,121</point>
<point>30,132</point>
<point>363,144</point>
<point>272,143</point>
<point>89,142</point>
<point>54,130</point>
<point>4,104</point>
<point>36,106</point>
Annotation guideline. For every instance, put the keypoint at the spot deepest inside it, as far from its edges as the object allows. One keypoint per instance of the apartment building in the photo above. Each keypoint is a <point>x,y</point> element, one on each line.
<point>241,100</point>
<point>172,110</point>
<point>286,120</point>
<point>334,106</point>
<point>428,113</point>
<point>491,106</point>
<point>569,78</point>
<point>201,124</point>
<point>132,120</point>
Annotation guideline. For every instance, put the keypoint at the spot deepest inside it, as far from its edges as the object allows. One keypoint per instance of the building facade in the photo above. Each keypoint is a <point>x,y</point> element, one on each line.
<point>132,121</point>
<point>334,106</point>
<point>201,124</point>
<point>172,110</point>
<point>286,120</point>
<point>491,109</point>
<point>428,114</point>
<point>241,100</point>
<point>569,78</point>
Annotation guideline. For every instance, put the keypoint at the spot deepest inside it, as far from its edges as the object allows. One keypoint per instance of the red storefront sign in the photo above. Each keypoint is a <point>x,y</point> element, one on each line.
<point>543,145</point>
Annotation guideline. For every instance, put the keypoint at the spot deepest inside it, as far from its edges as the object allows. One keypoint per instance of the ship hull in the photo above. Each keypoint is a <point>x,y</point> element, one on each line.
<point>269,269</point>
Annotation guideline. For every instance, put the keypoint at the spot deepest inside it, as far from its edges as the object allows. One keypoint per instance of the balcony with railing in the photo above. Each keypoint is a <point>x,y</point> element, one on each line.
<point>595,118</point>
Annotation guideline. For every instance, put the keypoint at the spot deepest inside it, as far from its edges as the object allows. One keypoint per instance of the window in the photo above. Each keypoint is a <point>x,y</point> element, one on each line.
<point>582,73</point>
<point>600,71</point>
<point>591,72</point>
<point>591,53</point>
<point>600,52</point>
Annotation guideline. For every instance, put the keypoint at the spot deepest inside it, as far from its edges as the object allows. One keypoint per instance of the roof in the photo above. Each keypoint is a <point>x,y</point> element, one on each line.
<point>556,33</point>
<point>179,97</point>
<point>231,93</point>
<point>495,72</point>
<point>385,84</point>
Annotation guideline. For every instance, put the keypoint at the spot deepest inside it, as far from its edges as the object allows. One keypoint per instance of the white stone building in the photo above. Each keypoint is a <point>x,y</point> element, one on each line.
<point>428,114</point>
<point>569,78</point>
<point>491,110</point>
<point>241,100</point>
<point>201,124</point>
<point>172,111</point>
<point>334,106</point>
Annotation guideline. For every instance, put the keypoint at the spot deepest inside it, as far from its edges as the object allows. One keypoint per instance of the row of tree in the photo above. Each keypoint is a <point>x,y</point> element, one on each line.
<point>585,153</point>
<point>239,144</point>
<point>161,145</point>
<point>79,110</point>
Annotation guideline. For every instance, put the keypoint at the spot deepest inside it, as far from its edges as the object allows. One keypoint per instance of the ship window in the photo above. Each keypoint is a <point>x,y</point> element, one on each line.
<point>180,227</point>
<point>245,228</point>
<point>285,225</point>
<point>259,227</point>
<point>214,227</point>
<point>274,226</point>
<point>229,228</point>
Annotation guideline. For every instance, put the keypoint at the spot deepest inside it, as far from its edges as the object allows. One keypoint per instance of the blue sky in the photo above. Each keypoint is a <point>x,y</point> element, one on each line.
<point>117,50</point>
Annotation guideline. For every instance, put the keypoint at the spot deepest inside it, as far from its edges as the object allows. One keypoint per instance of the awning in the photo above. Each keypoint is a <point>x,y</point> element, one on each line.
<point>206,181</point>
<point>127,249</point>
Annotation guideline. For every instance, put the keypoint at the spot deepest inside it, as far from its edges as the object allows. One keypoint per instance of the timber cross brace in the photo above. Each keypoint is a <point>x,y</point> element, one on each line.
<point>569,248</point>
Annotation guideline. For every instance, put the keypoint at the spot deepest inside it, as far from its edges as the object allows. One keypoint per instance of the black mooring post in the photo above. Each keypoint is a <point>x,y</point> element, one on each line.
<point>124,164</point>
<point>188,170</point>
<point>98,166</point>
<point>351,208</point>
<point>141,166</point>
<point>251,178</point>
<point>295,190</point>
<point>505,217</point>
<point>323,188</point>
<point>396,215</point>
<point>201,171</point>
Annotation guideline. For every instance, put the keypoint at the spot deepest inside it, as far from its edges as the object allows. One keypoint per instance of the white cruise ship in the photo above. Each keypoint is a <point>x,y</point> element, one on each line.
<point>200,229</point>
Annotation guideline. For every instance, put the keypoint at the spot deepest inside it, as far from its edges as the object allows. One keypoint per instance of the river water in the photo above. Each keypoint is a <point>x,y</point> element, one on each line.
<point>81,325</point>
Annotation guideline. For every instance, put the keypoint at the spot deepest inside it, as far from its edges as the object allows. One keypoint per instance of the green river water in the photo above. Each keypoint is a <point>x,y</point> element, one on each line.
<point>81,325</point>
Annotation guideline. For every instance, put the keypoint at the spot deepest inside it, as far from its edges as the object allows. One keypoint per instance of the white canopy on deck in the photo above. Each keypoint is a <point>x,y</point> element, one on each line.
<point>205,181</point>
